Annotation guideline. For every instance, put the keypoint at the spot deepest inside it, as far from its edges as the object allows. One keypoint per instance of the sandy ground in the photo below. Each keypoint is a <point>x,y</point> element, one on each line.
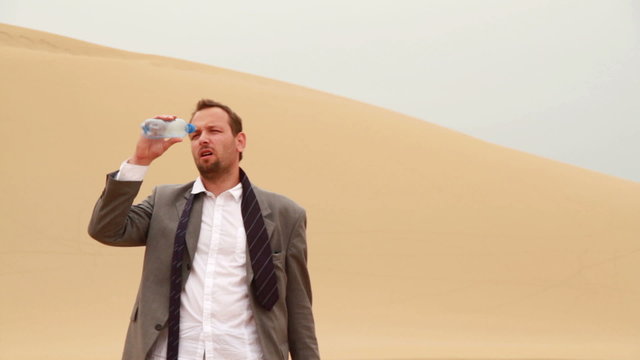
<point>424,243</point>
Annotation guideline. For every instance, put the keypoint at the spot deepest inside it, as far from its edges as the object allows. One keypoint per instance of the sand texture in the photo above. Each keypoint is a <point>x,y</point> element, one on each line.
<point>424,243</point>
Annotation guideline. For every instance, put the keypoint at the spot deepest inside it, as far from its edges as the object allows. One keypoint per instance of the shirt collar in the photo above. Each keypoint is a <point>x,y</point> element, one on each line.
<point>235,191</point>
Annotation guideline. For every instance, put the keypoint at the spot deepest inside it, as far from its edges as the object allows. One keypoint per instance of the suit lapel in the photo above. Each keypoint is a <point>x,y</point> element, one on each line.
<point>195,221</point>
<point>266,211</point>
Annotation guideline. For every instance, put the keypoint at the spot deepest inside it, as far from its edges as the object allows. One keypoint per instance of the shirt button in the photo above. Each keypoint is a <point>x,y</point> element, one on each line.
<point>158,327</point>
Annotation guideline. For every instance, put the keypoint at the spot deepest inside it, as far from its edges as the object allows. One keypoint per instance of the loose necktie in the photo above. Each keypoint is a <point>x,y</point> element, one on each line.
<point>265,285</point>
<point>175,288</point>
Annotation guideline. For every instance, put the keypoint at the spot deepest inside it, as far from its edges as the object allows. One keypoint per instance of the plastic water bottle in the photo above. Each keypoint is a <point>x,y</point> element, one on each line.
<point>160,129</point>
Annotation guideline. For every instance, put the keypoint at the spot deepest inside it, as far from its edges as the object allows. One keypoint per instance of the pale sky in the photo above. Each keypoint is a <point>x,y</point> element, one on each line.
<point>559,79</point>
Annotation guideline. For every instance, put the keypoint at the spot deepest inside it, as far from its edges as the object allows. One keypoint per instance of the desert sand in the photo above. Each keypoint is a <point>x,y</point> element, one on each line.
<point>424,243</point>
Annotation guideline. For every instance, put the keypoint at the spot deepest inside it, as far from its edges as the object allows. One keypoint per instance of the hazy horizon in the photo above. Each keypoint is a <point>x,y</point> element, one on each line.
<point>559,80</point>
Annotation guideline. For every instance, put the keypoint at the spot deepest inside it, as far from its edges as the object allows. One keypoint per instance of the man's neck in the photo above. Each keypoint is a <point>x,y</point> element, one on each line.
<point>221,182</point>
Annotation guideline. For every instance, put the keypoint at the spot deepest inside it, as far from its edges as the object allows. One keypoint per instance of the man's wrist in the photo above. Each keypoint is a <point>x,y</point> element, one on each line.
<point>138,161</point>
<point>131,172</point>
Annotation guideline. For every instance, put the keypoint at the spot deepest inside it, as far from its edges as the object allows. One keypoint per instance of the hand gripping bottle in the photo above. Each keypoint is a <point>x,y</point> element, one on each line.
<point>160,129</point>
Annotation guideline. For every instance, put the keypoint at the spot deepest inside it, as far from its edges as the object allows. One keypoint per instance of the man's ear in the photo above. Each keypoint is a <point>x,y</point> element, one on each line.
<point>241,141</point>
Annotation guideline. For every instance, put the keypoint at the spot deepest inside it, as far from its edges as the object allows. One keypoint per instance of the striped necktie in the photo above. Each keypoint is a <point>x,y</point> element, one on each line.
<point>175,287</point>
<point>265,287</point>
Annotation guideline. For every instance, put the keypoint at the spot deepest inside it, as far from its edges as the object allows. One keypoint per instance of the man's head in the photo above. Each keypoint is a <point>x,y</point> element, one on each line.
<point>234,120</point>
<point>218,141</point>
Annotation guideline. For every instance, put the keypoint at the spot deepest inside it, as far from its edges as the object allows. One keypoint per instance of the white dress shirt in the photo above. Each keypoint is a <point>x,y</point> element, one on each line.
<point>216,320</point>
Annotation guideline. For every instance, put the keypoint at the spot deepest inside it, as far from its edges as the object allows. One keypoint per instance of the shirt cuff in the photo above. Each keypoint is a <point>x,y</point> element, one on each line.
<point>131,172</point>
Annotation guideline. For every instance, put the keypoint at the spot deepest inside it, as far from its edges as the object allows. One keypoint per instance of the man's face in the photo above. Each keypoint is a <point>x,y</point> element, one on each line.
<point>214,148</point>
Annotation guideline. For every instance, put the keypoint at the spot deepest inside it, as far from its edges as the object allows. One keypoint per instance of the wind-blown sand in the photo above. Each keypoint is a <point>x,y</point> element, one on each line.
<point>424,243</point>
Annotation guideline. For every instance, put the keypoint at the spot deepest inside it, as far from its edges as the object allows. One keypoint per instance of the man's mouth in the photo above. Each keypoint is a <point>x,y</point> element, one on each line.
<point>205,153</point>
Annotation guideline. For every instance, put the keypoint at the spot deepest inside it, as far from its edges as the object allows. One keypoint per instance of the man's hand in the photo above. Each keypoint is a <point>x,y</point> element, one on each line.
<point>148,150</point>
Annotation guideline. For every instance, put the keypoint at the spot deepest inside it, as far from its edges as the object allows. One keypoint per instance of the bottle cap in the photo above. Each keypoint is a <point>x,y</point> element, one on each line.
<point>190,128</point>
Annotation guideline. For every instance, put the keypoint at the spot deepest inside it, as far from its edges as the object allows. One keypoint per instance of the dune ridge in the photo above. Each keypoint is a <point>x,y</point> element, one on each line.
<point>483,252</point>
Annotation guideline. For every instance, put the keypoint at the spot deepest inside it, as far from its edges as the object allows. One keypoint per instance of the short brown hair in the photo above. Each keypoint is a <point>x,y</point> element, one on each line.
<point>235,122</point>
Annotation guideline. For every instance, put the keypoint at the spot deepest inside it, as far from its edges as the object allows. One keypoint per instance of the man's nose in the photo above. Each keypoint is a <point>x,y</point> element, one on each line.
<point>203,139</point>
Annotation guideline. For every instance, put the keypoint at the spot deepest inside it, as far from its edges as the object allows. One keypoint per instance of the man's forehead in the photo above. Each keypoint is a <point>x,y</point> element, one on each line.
<point>210,116</point>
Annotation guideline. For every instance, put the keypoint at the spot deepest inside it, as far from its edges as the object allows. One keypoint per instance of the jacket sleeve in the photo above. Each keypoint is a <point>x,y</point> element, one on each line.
<point>303,344</point>
<point>115,220</point>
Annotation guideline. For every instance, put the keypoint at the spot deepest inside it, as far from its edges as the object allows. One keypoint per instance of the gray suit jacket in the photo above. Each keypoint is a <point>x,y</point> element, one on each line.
<point>288,327</point>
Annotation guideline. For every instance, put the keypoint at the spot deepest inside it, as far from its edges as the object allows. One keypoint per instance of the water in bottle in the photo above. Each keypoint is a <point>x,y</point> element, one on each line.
<point>160,129</point>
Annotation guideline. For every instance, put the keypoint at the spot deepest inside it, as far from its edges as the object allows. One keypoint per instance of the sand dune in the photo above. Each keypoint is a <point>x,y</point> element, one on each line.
<point>424,243</point>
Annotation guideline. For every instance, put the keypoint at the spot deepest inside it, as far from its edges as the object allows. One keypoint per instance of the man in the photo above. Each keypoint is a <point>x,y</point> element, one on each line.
<point>225,274</point>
